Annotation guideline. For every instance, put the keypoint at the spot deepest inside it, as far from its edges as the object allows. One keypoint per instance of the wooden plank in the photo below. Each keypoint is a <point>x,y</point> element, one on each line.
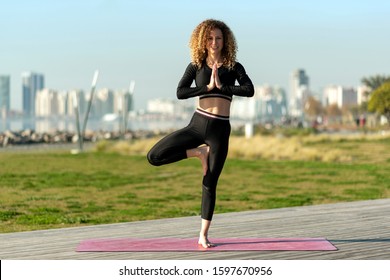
<point>360,230</point>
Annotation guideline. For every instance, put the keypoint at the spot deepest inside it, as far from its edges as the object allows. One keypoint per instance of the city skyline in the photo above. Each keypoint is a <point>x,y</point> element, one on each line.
<point>147,41</point>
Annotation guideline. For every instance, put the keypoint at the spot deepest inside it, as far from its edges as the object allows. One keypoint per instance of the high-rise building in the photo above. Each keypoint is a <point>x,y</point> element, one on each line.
<point>299,91</point>
<point>273,103</point>
<point>31,83</point>
<point>46,103</point>
<point>362,94</point>
<point>170,107</point>
<point>269,104</point>
<point>63,99</point>
<point>342,96</point>
<point>4,95</point>
<point>103,102</point>
<point>123,101</point>
<point>76,99</point>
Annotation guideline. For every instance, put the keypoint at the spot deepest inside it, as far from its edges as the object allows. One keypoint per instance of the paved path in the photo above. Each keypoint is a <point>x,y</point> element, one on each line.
<point>360,230</point>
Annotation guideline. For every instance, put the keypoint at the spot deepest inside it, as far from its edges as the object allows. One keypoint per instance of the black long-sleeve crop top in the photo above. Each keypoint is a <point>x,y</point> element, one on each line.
<point>227,77</point>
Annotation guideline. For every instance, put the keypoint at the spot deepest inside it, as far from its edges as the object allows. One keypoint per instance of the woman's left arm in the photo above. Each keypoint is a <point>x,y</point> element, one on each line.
<point>245,87</point>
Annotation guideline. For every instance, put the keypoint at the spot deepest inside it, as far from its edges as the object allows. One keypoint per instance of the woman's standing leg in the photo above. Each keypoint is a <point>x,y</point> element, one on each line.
<point>204,230</point>
<point>218,141</point>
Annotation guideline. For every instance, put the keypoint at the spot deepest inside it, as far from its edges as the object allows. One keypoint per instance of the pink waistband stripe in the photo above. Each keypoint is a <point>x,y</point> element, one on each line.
<point>207,114</point>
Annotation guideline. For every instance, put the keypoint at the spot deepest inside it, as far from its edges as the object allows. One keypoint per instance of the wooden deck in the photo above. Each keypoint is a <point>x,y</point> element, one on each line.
<point>360,230</point>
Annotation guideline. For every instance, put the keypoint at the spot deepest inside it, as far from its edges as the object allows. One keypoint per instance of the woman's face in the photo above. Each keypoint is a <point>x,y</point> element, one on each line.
<point>215,42</point>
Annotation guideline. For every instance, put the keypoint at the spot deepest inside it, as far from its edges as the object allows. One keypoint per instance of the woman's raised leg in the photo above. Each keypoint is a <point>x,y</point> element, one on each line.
<point>202,153</point>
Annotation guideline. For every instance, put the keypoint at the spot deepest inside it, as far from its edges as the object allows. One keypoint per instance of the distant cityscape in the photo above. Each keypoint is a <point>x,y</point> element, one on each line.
<point>270,103</point>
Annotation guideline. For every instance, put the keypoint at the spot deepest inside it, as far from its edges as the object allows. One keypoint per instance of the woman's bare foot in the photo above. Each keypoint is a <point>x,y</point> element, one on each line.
<point>204,157</point>
<point>203,240</point>
<point>203,154</point>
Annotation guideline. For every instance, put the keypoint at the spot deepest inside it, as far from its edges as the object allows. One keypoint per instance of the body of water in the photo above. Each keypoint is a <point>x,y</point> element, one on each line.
<point>47,125</point>
<point>111,123</point>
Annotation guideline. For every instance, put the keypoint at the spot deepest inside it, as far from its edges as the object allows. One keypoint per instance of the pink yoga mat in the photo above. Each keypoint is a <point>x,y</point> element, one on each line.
<point>191,244</point>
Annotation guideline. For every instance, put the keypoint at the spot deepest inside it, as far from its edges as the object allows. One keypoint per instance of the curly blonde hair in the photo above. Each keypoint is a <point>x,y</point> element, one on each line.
<point>198,43</point>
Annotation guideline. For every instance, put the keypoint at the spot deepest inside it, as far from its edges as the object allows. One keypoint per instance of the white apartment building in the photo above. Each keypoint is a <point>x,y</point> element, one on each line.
<point>342,96</point>
<point>46,103</point>
<point>103,102</point>
<point>49,102</point>
<point>269,103</point>
<point>245,108</point>
<point>62,99</point>
<point>71,102</point>
<point>170,107</point>
<point>161,106</point>
<point>362,94</point>
<point>107,101</point>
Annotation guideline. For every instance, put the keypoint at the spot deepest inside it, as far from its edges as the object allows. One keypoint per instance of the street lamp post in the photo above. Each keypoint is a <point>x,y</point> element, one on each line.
<point>81,132</point>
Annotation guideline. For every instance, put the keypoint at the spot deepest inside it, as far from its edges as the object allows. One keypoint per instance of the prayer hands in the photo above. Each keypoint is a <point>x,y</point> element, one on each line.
<point>214,79</point>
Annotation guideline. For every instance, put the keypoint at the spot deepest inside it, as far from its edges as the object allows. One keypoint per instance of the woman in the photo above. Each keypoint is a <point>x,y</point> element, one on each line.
<point>215,72</point>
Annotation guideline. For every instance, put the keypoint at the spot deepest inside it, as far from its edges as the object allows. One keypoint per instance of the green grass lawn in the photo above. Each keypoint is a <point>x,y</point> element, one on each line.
<point>56,189</point>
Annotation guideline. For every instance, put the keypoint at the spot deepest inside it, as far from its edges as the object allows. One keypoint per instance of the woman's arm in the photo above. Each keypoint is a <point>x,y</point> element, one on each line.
<point>184,89</point>
<point>245,87</point>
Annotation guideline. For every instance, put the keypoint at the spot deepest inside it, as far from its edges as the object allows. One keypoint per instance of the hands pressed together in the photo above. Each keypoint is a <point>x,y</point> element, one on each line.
<point>214,79</point>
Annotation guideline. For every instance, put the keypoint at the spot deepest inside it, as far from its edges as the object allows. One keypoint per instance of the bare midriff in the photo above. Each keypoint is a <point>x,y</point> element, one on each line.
<point>215,106</point>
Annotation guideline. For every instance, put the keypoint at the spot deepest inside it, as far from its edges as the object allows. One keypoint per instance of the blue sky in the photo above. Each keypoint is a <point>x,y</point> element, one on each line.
<point>336,42</point>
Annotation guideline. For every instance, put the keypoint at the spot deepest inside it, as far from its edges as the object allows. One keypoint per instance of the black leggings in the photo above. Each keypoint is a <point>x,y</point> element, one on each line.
<point>203,128</point>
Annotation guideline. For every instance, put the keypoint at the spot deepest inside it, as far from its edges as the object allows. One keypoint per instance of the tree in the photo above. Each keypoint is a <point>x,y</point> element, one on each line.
<point>374,82</point>
<point>380,100</point>
<point>313,108</point>
<point>333,112</point>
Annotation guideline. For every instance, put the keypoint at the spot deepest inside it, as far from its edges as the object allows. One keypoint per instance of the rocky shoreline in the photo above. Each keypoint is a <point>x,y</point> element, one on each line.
<point>30,137</point>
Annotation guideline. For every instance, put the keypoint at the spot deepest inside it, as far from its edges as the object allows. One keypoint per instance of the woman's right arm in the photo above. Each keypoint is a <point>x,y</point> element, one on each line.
<point>184,89</point>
